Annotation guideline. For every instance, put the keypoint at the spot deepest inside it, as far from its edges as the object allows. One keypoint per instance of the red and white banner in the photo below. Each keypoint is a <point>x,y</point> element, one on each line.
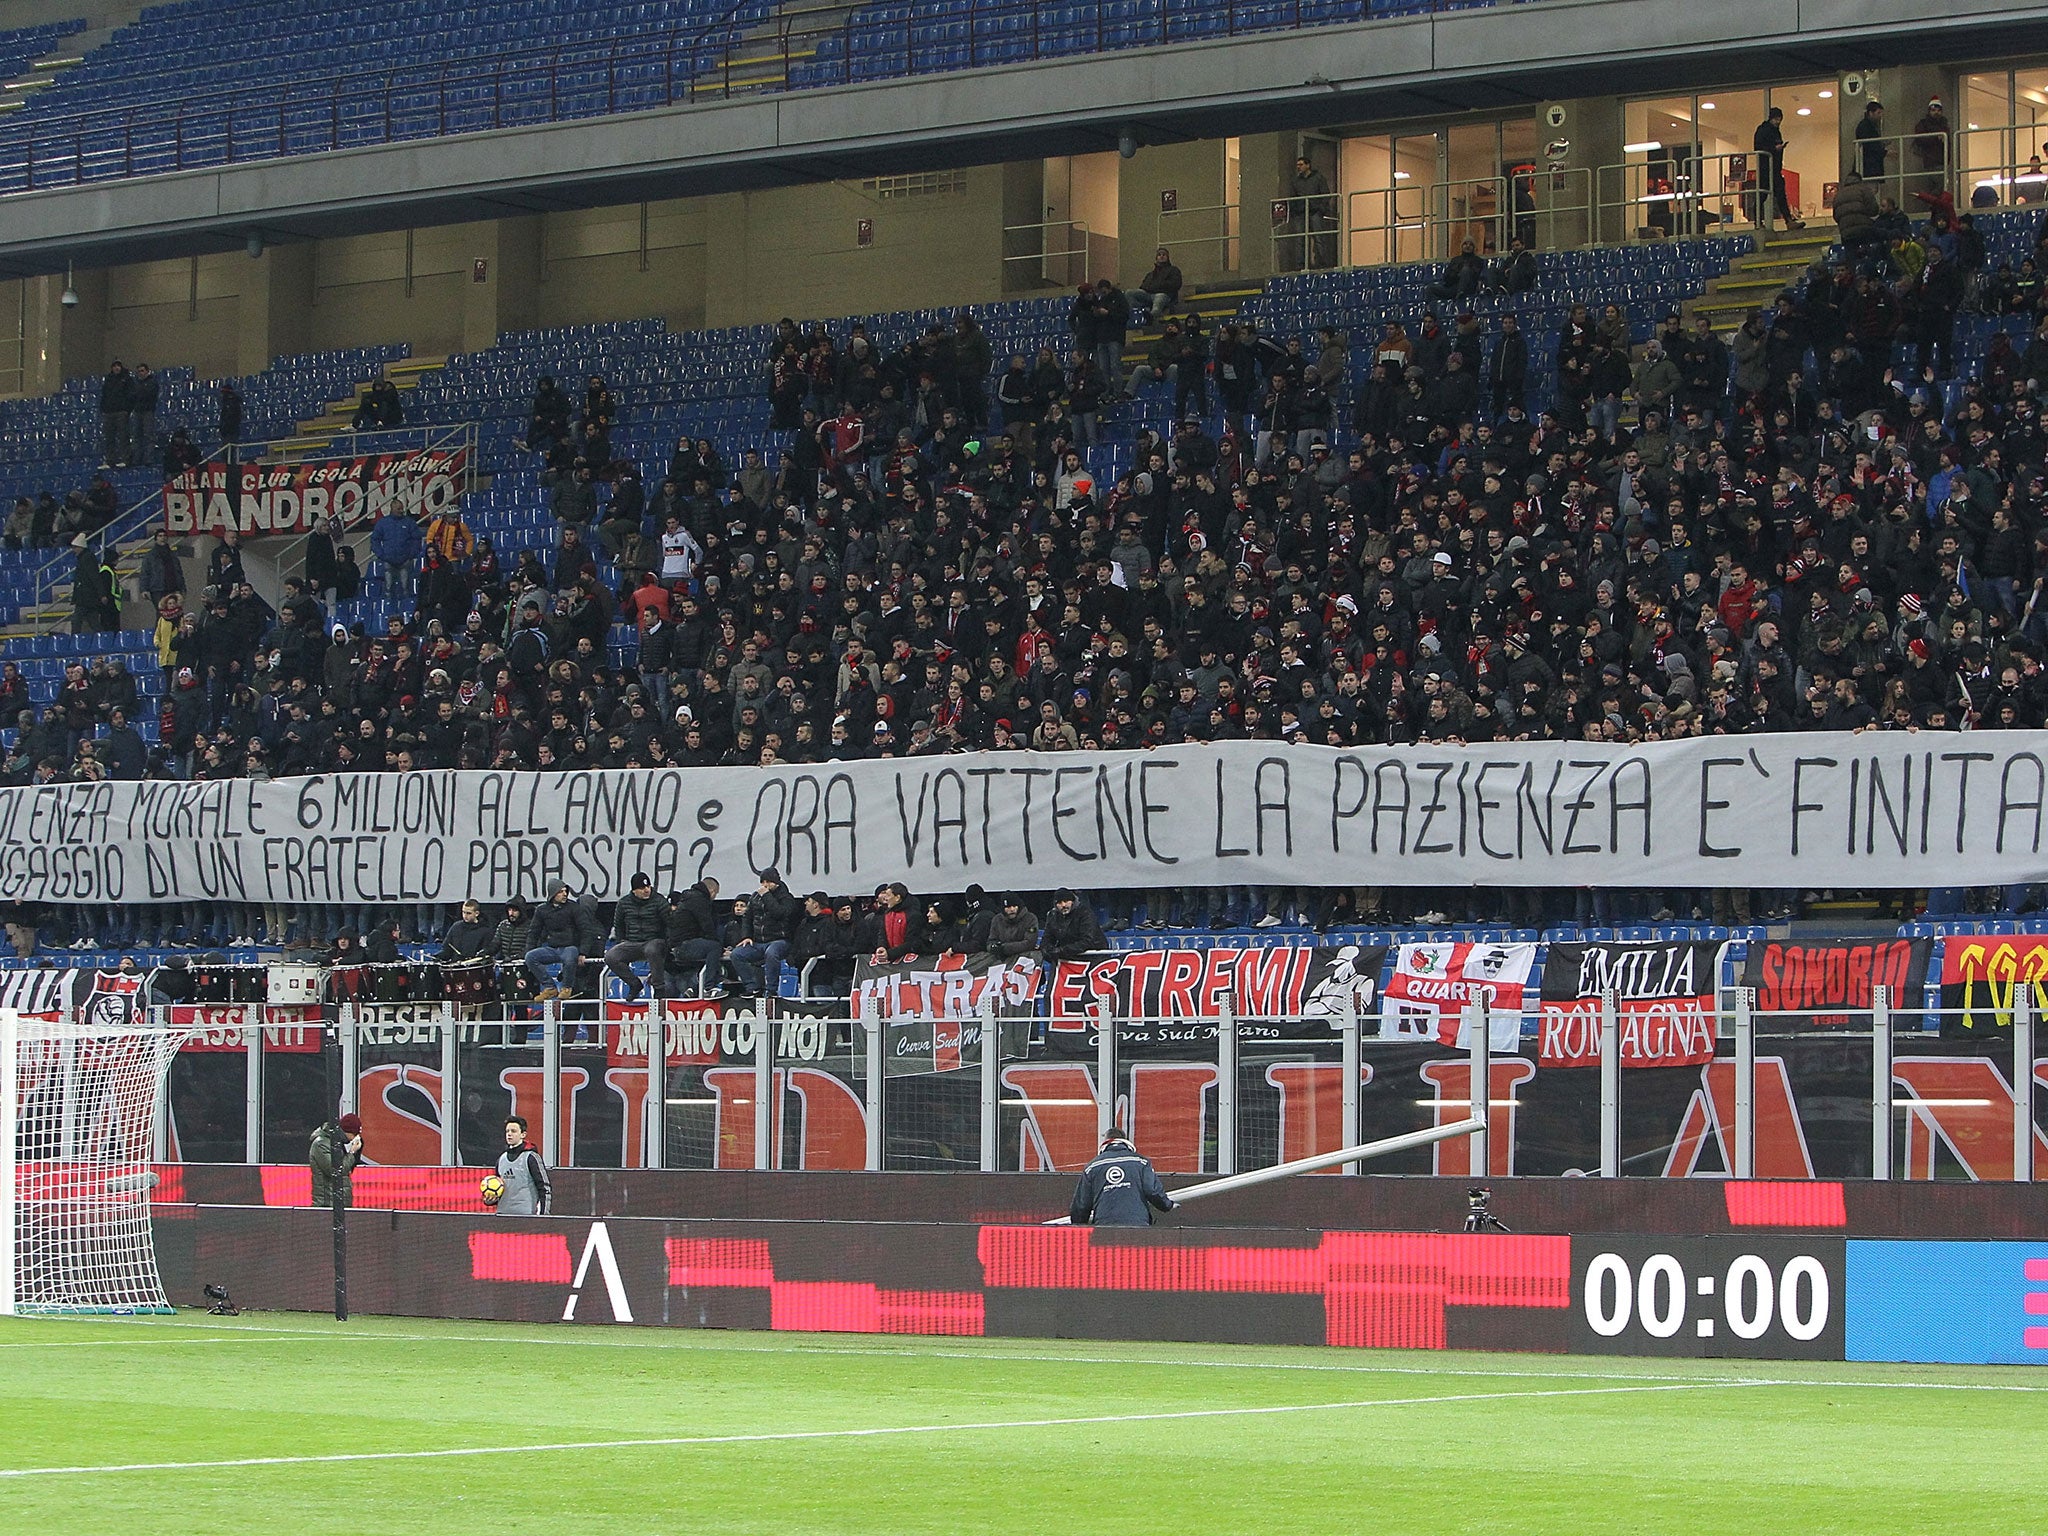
<point>1426,996</point>
<point>944,987</point>
<point>256,499</point>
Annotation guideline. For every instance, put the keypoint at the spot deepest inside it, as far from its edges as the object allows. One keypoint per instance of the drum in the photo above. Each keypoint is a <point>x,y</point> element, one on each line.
<point>469,983</point>
<point>345,984</point>
<point>389,983</point>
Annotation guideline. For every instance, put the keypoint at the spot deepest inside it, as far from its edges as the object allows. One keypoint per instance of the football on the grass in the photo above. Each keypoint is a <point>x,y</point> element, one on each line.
<point>492,1189</point>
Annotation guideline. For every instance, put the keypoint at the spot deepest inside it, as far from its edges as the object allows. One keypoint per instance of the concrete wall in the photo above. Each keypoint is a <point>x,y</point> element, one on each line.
<point>798,251</point>
<point>604,262</point>
<point>183,311</point>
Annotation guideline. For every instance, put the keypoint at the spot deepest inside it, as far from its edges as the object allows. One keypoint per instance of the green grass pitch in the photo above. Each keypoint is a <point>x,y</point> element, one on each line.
<point>290,1424</point>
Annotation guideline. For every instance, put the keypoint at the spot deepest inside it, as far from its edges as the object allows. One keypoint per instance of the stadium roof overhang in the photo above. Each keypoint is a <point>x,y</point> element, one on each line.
<point>1378,71</point>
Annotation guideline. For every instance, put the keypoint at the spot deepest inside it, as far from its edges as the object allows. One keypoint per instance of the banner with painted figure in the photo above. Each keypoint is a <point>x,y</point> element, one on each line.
<point>931,1010</point>
<point>1432,984</point>
<point>1665,995</point>
<point>1876,810</point>
<point>258,499</point>
<point>44,993</point>
<point>1167,999</point>
<point>1985,978</point>
<point>1827,984</point>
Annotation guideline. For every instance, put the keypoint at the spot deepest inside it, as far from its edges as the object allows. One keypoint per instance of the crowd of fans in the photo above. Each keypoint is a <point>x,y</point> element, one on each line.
<point>1781,531</point>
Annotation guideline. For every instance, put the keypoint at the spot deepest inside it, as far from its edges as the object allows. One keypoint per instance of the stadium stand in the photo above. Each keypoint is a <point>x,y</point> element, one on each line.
<point>1596,565</point>
<point>342,73</point>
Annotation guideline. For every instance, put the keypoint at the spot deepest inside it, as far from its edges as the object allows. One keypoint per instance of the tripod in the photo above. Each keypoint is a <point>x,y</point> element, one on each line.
<point>1479,1216</point>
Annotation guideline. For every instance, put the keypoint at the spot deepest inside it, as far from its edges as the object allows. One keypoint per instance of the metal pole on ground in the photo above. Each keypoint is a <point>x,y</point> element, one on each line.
<point>871,1021</point>
<point>451,1101</point>
<point>10,1113</point>
<point>991,1078</point>
<point>657,1085</point>
<point>550,1088</point>
<point>1342,1157</point>
<point>764,1094</point>
<point>351,1069</point>
<point>1610,1085</point>
<point>1226,1089</point>
<point>1479,1042</point>
<point>1880,1082</point>
<point>1105,1069</point>
<point>1745,1084</point>
<point>1351,1068</point>
<point>2023,1084</point>
<point>252,1091</point>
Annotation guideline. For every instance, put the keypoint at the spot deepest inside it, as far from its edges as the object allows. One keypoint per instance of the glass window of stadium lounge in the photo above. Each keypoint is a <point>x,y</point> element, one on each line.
<point>1722,123</point>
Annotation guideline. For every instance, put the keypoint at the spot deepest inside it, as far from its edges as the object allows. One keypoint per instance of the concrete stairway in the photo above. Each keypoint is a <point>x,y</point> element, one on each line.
<point>1217,306</point>
<point>1755,280</point>
<point>319,432</point>
<point>761,58</point>
<point>44,72</point>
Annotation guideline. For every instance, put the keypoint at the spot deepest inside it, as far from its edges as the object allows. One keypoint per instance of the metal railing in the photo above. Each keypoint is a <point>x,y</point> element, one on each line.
<point>1683,197</point>
<point>52,576</point>
<point>2009,158</point>
<point>1058,253</point>
<point>711,61</point>
<point>1410,221</point>
<point>1209,226</point>
<point>1884,1089</point>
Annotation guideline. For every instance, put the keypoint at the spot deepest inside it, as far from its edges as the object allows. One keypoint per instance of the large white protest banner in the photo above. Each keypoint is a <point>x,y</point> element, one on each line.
<point>1862,811</point>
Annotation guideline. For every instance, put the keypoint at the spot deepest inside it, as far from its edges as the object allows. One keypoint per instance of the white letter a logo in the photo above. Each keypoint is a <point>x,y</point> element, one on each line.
<point>599,1246</point>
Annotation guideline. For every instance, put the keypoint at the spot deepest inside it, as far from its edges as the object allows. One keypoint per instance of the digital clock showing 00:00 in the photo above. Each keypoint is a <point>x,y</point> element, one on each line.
<point>1759,1298</point>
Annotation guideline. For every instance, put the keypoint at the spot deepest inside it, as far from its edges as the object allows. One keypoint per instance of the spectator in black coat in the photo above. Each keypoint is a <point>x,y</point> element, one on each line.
<point>821,941</point>
<point>468,938</point>
<point>639,932</point>
<point>117,399</point>
<point>692,926</point>
<point>1071,930</point>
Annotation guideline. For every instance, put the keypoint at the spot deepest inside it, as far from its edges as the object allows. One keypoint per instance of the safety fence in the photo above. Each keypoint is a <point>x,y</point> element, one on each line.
<point>1609,1085</point>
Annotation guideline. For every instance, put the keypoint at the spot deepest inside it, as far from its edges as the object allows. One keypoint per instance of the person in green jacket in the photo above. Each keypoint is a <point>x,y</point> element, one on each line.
<point>335,1151</point>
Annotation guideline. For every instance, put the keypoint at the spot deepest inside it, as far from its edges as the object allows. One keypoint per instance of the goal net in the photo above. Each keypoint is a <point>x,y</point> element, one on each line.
<point>77,1127</point>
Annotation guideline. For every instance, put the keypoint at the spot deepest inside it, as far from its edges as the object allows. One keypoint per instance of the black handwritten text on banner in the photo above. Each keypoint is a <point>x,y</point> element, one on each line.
<point>1860,811</point>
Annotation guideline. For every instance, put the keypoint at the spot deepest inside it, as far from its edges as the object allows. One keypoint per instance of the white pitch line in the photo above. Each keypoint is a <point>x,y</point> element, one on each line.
<point>644,1340</point>
<point>121,1343</point>
<point>843,1434</point>
<point>577,1339</point>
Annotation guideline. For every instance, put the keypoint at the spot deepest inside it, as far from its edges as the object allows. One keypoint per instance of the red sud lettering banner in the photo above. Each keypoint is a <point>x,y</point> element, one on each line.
<point>1432,983</point>
<point>1830,983</point>
<point>1164,998</point>
<point>227,1027</point>
<point>1982,976</point>
<point>256,499</point>
<point>1665,998</point>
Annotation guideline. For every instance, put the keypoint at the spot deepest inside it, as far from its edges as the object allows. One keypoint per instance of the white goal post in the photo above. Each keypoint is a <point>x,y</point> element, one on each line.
<point>78,1106</point>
